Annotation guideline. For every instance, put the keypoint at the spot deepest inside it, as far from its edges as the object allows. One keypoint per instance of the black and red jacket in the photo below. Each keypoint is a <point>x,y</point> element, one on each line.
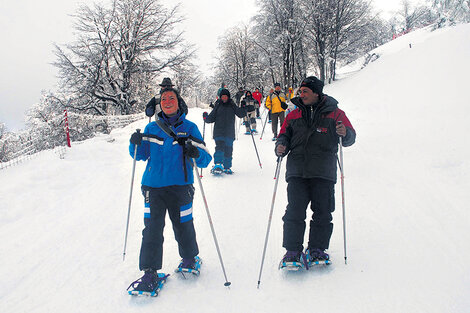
<point>309,133</point>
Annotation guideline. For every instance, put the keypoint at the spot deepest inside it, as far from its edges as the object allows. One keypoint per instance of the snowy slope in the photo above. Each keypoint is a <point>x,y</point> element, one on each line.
<point>407,180</point>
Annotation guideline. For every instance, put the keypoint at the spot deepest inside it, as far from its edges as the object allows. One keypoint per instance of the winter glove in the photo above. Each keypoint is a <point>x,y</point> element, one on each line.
<point>243,103</point>
<point>150,108</point>
<point>191,151</point>
<point>136,138</point>
<point>284,105</point>
<point>205,115</point>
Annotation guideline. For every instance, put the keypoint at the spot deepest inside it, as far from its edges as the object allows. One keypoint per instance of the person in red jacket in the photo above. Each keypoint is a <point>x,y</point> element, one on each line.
<point>309,137</point>
<point>258,96</point>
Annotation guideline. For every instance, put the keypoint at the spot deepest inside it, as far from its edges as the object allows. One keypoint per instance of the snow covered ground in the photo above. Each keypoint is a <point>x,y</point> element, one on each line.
<point>407,193</point>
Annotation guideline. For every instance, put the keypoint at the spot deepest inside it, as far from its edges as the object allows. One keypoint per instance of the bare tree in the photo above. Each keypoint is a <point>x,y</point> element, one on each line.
<point>118,52</point>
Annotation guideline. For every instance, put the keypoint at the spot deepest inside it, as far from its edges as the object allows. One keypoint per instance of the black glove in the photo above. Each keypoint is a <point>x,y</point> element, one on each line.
<point>150,108</point>
<point>284,105</point>
<point>205,115</point>
<point>136,138</point>
<point>191,151</point>
<point>243,103</point>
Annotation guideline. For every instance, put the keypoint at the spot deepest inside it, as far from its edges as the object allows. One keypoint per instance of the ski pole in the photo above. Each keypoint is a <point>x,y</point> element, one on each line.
<point>253,138</point>
<point>276,178</point>
<point>264,125</point>
<point>227,283</point>
<point>203,135</point>
<point>130,201</point>
<point>342,196</point>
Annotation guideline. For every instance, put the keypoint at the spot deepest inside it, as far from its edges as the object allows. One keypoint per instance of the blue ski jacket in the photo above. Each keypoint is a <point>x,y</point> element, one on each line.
<point>164,155</point>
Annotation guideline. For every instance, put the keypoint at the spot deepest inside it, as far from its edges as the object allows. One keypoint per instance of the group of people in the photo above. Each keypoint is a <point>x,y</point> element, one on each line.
<point>308,136</point>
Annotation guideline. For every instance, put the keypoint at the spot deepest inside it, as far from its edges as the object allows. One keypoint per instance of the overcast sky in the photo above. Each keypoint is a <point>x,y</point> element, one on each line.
<point>28,29</point>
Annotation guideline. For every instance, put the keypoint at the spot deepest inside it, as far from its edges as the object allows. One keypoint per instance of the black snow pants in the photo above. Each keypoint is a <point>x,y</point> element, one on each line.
<point>178,200</point>
<point>321,196</point>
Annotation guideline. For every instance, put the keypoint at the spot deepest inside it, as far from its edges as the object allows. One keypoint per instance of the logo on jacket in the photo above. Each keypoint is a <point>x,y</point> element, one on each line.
<point>323,130</point>
<point>182,134</point>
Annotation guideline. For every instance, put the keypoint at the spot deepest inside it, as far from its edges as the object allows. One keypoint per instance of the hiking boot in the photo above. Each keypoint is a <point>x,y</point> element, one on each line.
<point>188,263</point>
<point>148,282</point>
<point>292,256</point>
<point>317,254</point>
<point>217,169</point>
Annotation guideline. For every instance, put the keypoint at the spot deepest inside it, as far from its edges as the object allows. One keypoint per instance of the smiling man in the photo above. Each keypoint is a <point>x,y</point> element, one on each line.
<point>310,137</point>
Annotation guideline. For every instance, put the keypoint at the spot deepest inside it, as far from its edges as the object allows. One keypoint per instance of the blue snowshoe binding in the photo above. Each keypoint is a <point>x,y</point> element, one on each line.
<point>317,257</point>
<point>217,169</point>
<point>192,266</point>
<point>228,171</point>
<point>148,285</point>
<point>293,261</point>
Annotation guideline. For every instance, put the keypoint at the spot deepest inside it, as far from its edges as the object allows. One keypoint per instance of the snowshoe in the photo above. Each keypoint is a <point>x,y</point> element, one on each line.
<point>317,257</point>
<point>254,131</point>
<point>192,266</point>
<point>247,132</point>
<point>274,138</point>
<point>228,171</point>
<point>217,169</point>
<point>293,261</point>
<point>148,285</point>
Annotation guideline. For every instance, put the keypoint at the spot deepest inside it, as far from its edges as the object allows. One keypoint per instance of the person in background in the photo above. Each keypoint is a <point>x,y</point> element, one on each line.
<point>249,104</point>
<point>167,185</point>
<point>276,103</point>
<point>309,137</point>
<point>258,96</point>
<point>223,115</point>
<point>240,93</point>
<point>222,86</point>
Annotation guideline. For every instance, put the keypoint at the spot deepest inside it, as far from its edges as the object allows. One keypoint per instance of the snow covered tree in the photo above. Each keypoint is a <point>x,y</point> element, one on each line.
<point>452,10</point>
<point>119,51</point>
<point>236,65</point>
<point>280,28</point>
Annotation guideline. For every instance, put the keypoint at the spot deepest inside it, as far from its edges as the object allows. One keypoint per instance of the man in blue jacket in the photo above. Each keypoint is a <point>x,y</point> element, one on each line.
<point>167,184</point>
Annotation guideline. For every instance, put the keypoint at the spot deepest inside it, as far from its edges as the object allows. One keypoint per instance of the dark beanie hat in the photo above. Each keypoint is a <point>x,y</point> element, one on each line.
<point>277,84</point>
<point>224,92</point>
<point>314,84</point>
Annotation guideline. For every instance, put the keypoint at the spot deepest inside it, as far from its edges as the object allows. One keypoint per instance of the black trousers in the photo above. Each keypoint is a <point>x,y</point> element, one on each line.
<point>320,194</point>
<point>178,201</point>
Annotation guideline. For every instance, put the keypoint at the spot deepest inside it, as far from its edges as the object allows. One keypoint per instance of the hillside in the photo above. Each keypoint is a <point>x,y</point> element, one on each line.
<point>407,180</point>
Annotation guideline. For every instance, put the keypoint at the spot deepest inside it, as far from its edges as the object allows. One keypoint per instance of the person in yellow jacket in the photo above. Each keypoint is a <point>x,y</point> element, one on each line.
<point>276,104</point>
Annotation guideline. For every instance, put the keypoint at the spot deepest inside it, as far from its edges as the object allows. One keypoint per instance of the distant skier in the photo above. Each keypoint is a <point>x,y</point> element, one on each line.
<point>250,105</point>
<point>310,137</point>
<point>258,97</point>
<point>223,115</point>
<point>276,103</point>
<point>167,185</point>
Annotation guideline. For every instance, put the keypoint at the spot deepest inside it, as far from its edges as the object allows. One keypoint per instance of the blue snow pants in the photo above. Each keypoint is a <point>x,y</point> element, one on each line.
<point>223,151</point>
